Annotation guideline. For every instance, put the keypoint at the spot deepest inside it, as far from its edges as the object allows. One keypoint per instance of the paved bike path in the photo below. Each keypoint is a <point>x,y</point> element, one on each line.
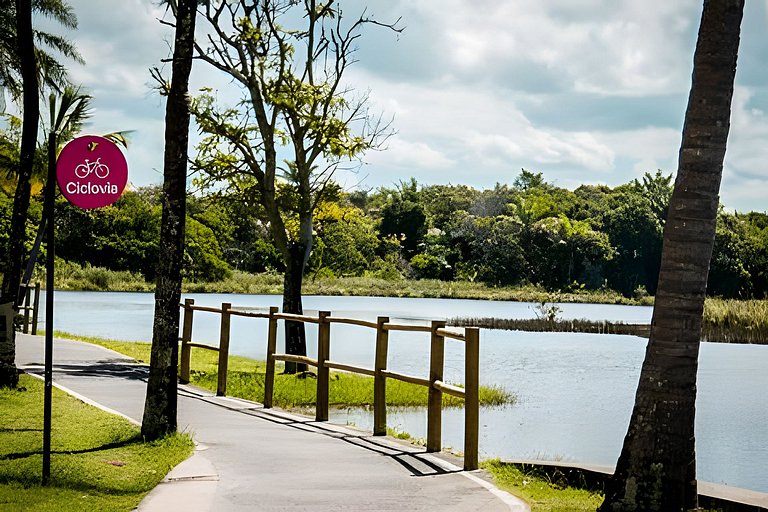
<point>249,458</point>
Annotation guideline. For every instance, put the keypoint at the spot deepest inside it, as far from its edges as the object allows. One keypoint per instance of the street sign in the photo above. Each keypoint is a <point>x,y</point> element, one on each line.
<point>91,172</point>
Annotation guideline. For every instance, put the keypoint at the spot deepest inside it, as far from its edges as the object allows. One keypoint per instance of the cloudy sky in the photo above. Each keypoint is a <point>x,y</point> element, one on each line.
<point>585,91</point>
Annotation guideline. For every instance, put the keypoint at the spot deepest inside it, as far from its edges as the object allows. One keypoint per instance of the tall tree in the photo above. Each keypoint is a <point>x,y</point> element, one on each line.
<point>9,293</point>
<point>26,68</point>
<point>160,406</point>
<point>657,466</point>
<point>289,58</point>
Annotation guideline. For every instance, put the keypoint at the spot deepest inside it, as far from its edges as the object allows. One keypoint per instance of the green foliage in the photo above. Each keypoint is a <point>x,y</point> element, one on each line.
<point>658,189</point>
<point>203,254</point>
<point>346,241</point>
<point>105,466</point>
<point>594,238</point>
<point>427,266</point>
<point>491,247</point>
<point>404,218</point>
<point>636,234</point>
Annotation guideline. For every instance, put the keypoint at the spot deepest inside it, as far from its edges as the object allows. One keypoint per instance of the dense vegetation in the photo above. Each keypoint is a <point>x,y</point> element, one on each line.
<point>530,232</point>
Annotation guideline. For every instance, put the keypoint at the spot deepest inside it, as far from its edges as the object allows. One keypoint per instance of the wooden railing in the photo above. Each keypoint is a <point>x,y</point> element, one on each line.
<point>434,382</point>
<point>30,305</point>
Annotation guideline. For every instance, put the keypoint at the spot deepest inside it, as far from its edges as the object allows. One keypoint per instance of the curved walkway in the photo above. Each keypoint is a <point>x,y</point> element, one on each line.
<point>251,458</point>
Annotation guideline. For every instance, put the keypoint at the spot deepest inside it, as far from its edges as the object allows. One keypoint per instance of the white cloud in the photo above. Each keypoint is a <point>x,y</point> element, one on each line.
<point>405,154</point>
<point>583,90</point>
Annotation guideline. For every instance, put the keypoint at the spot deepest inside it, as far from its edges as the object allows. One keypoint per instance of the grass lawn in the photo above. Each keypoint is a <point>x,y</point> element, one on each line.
<point>542,492</point>
<point>246,380</point>
<point>98,460</point>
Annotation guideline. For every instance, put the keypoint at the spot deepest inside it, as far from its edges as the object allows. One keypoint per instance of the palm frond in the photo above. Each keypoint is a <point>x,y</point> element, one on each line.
<point>121,138</point>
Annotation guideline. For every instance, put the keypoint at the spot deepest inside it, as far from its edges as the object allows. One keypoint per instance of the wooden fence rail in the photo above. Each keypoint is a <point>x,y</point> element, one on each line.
<point>30,306</point>
<point>434,382</point>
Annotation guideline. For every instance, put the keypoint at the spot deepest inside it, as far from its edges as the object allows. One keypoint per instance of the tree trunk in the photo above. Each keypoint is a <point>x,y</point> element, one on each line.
<point>295,336</point>
<point>160,407</point>
<point>9,294</point>
<point>657,466</point>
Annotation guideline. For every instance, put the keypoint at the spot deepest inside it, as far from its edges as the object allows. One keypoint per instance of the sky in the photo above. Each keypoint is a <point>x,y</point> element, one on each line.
<point>584,91</point>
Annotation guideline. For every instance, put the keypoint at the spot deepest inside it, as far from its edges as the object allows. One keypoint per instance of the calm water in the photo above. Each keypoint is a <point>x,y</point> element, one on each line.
<point>575,391</point>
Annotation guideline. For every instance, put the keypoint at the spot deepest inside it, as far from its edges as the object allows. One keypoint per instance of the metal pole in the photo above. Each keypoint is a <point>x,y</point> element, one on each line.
<point>50,190</point>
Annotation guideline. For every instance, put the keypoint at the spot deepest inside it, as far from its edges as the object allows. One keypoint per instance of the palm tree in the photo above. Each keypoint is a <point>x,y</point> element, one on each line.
<point>657,466</point>
<point>161,403</point>
<point>51,74</point>
<point>26,68</point>
<point>9,293</point>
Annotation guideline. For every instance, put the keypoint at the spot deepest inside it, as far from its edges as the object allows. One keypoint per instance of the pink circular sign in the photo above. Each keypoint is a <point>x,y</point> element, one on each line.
<point>92,172</point>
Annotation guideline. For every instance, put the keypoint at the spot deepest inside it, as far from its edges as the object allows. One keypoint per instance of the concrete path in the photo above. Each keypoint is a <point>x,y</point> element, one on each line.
<point>250,458</point>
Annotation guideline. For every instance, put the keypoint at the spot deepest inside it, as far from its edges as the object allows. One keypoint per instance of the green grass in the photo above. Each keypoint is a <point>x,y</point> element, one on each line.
<point>241,282</point>
<point>98,460</point>
<point>71,276</point>
<point>543,491</point>
<point>245,379</point>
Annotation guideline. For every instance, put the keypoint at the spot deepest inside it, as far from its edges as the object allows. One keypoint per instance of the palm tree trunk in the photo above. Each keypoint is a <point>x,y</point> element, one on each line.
<point>160,407</point>
<point>15,259</point>
<point>657,466</point>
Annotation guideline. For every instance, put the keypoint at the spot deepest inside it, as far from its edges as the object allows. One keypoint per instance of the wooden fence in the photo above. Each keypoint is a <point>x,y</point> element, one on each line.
<point>382,327</point>
<point>30,305</point>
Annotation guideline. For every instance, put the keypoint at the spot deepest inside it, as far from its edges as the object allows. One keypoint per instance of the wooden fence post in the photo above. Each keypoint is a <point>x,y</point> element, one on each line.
<point>323,353</point>
<point>186,338</point>
<point>471,398</point>
<point>36,310</point>
<point>221,388</point>
<point>379,381</point>
<point>269,377</point>
<point>435,402</point>
<point>27,307</point>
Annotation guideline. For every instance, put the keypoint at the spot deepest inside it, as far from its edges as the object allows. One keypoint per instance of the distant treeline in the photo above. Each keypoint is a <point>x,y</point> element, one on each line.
<point>525,232</point>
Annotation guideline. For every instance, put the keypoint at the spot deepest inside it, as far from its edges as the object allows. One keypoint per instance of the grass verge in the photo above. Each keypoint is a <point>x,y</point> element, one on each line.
<point>104,466</point>
<point>544,491</point>
<point>245,379</point>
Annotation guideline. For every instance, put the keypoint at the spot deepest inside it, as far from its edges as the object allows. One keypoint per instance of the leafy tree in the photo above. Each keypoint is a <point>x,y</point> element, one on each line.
<point>635,233</point>
<point>403,217</point>
<point>441,201</point>
<point>756,233</point>
<point>492,202</point>
<point>728,274</point>
<point>561,253</point>
<point>527,180</point>
<point>658,189</point>
<point>489,247</point>
<point>657,466</point>
<point>346,240</point>
<point>289,59</point>
<point>202,253</point>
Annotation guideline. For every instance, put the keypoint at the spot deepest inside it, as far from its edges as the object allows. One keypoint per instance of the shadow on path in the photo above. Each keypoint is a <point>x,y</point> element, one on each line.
<point>100,369</point>
<point>417,463</point>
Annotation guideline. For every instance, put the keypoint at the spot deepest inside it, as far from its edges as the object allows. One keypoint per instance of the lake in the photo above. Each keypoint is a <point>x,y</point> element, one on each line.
<point>576,391</point>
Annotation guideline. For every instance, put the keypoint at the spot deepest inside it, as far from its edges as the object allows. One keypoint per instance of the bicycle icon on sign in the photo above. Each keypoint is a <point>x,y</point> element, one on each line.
<point>99,169</point>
